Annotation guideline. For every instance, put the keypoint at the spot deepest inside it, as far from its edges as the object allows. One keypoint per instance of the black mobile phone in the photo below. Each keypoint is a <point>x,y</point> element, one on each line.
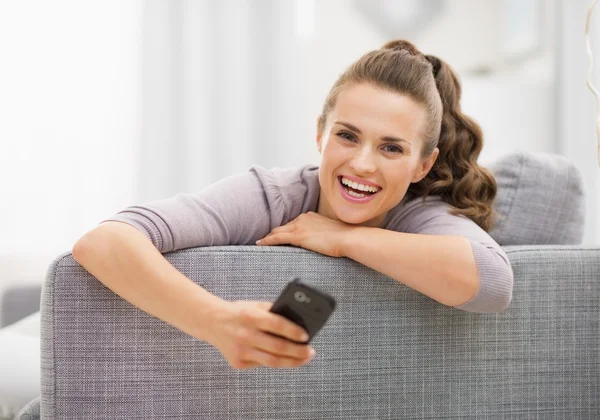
<point>304,305</point>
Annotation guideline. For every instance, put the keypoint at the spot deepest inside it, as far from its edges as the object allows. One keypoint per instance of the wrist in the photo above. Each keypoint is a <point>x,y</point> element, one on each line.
<point>348,240</point>
<point>207,317</point>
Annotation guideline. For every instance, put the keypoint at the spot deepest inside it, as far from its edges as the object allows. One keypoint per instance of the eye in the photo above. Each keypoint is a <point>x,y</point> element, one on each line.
<point>393,148</point>
<point>346,135</point>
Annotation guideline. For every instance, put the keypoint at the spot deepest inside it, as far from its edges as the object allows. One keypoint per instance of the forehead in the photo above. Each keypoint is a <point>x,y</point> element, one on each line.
<point>378,111</point>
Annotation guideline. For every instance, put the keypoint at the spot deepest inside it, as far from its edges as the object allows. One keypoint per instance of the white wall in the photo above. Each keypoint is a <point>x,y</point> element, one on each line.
<point>514,102</point>
<point>514,112</point>
<point>577,105</point>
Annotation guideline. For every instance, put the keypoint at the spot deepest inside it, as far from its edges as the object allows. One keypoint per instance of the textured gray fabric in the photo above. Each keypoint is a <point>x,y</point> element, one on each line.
<point>388,352</point>
<point>540,199</point>
<point>19,301</point>
<point>30,412</point>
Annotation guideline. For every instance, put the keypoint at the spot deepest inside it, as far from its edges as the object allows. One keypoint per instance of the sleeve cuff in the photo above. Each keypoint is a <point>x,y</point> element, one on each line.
<point>495,281</point>
<point>136,218</point>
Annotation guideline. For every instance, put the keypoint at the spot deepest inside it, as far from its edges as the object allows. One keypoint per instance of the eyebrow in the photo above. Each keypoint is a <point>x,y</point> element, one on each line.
<point>385,138</point>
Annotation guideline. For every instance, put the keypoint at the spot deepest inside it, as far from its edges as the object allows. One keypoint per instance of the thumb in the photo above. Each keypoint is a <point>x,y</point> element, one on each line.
<point>264,305</point>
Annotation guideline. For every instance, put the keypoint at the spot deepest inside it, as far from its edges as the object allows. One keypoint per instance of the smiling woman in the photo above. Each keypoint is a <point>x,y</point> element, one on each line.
<point>398,190</point>
<point>407,106</point>
<point>371,136</point>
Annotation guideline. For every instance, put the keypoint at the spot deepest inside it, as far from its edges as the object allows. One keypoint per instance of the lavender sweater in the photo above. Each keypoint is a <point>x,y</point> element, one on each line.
<point>242,208</point>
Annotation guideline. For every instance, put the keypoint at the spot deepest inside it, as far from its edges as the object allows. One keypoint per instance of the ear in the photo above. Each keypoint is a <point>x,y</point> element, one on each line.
<point>319,134</point>
<point>426,166</point>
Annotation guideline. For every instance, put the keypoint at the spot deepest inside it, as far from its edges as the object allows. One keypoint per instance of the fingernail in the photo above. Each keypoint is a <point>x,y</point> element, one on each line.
<point>311,352</point>
<point>258,242</point>
<point>304,337</point>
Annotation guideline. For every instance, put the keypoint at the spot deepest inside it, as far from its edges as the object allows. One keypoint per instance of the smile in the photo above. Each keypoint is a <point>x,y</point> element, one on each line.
<point>354,195</point>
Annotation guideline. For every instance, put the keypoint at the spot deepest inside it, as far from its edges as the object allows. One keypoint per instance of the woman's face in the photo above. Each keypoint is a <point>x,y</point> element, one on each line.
<point>372,138</point>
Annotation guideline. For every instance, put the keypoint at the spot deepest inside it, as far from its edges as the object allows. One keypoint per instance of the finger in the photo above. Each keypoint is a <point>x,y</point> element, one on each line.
<point>284,228</point>
<point>289,228</point>
<point>271,360</point>
<point>277,238</point>
<point>264,305</point>
<point>261,319</point>
<point>251,310</point>
<point>246,365</point>
<point>251,304</point>
<point>278,325</point>
<point>282,347</point>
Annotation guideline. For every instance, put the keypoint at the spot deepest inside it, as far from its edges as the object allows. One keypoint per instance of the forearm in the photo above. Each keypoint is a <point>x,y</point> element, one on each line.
<point>441,267</point>
<point>127,263</point>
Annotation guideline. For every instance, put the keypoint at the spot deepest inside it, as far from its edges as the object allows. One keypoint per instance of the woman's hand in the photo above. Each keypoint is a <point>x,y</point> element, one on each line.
<point>241,333</point>
<point>311,231</point>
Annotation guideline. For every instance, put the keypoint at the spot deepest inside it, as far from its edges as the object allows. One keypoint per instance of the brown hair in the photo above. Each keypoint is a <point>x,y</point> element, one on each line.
<point>455,176</point>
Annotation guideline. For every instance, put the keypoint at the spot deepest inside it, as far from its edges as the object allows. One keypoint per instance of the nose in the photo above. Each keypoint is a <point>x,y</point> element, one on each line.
<point>363,161</point>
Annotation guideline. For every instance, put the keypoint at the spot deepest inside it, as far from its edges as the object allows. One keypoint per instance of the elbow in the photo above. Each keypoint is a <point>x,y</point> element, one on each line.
<point>491,297</point>
<point>495,279</point>
<point>83,251</point>
<point>503,292</point>
<point>79,248</point>
<point>98,235</point>
<point>502,302</point>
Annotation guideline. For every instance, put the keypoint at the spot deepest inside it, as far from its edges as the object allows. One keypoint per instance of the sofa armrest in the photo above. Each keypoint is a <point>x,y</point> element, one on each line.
<point>386,352</point>
<point>19,301</point>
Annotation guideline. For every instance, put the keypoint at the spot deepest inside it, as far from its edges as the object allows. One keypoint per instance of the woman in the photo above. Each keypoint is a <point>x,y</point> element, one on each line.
<point>398,189</point>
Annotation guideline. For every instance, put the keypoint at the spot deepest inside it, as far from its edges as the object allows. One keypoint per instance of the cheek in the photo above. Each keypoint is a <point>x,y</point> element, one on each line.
<point>399,177</point>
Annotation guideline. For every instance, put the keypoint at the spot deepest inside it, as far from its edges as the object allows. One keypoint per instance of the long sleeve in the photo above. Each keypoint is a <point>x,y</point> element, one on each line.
<point>493,266</point>
<point>236,210</point>
<point>232,211</point>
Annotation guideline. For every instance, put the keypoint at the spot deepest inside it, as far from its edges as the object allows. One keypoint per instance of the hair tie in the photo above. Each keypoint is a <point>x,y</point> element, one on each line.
<point>435,64</point>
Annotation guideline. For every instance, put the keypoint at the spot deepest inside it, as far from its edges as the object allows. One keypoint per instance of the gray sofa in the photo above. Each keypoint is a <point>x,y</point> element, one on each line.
<point>388,352</point>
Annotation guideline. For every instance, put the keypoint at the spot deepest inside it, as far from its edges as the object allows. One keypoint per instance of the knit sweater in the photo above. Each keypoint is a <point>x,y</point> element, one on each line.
<point>245,207</point>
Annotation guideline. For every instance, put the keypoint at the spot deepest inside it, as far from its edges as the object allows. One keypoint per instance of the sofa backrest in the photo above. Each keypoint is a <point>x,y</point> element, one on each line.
<point>388,352</point>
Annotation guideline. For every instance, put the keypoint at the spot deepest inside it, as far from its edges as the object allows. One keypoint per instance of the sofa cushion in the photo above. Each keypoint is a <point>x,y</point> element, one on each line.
<point>540,200</point>
<point>30,412</point>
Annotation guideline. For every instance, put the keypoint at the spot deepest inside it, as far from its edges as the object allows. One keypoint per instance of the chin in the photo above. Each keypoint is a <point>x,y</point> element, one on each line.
<point>353,219</point>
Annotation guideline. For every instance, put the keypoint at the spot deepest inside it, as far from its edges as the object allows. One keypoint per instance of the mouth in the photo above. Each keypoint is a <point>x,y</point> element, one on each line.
<point>356,193</point>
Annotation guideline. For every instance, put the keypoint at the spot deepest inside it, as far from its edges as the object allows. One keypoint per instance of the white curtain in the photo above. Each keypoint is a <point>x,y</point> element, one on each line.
<point>223,88</point>
<point>69,124</point>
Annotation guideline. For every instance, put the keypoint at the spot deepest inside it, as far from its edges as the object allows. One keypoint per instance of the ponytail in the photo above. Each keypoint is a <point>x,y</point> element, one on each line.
<point>456,176</point>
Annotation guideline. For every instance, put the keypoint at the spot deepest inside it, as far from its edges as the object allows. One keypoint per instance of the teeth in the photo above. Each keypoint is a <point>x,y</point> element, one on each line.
<point>358,186</point>
<point>353,194</point>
